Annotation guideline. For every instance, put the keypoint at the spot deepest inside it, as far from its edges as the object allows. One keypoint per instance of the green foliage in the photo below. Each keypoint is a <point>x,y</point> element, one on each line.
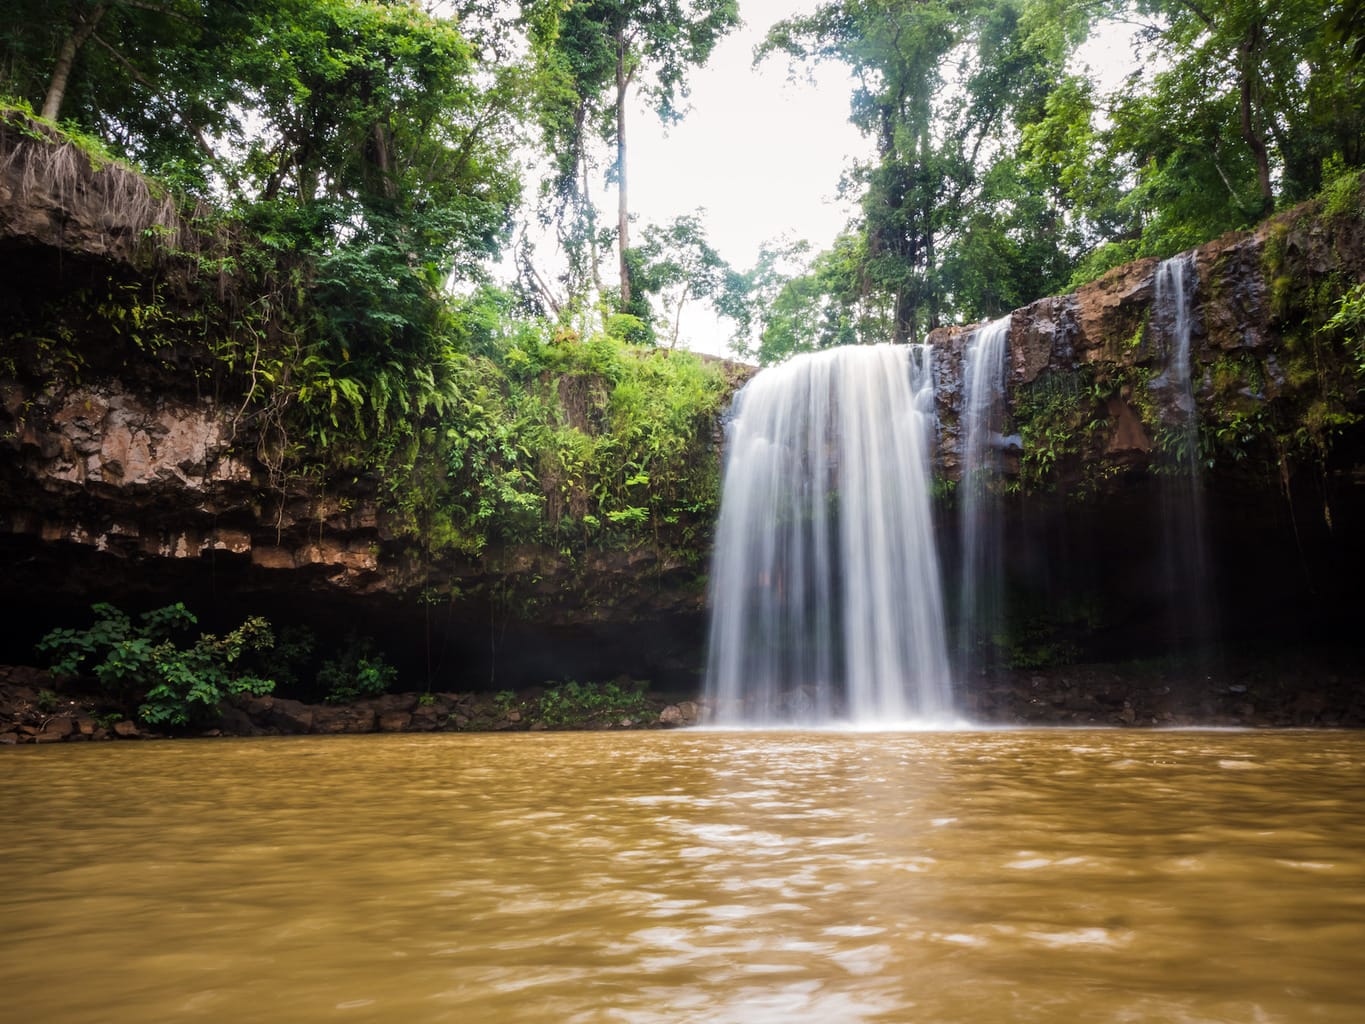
<point>1034,645</point>
<point>574,705</point>
<point>1003,172</point>
<point>1057,417</point>
<point>1348,321</point>
<point>588,56</point>
<point>294,647</point>
<point>793,302</point>
<point>175,685</point>
<point>563,443</point>
<point>1344,193</point>
<point>358,670</point>
<point>675,265</point>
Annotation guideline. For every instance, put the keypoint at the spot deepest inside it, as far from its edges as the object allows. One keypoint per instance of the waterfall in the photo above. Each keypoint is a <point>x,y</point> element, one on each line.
<point>981,579</point>
<point>826,601</point>
<point>1184,530</point>
<point>1175,279</point>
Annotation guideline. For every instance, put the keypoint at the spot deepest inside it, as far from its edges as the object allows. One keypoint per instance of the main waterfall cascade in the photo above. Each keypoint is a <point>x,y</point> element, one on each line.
<point>980,583</point>
<point>826,599</point>
<point>826,594</point>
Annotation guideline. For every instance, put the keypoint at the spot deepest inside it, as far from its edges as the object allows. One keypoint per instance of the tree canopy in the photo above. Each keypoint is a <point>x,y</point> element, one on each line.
<point>382,144</point>
<point>1005,170</point>
<point>599,50</point>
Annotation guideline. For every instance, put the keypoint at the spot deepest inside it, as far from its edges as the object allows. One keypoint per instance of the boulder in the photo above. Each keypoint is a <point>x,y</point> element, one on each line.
<point>59,727</point>
<point>333,720</point>
<point>288,716</point>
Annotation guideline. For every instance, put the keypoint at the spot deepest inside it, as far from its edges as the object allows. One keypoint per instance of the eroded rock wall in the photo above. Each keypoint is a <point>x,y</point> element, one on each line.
<point>1258,306</point>
<point>148,487</point>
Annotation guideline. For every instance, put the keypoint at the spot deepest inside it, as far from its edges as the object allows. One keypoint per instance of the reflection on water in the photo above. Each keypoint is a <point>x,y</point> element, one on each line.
<point>941,878</point>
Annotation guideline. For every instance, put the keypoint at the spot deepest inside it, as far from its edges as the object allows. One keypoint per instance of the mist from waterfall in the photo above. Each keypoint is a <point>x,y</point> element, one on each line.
<point>1192,611</point>
<point>981,568</point>
<point>826,598</point>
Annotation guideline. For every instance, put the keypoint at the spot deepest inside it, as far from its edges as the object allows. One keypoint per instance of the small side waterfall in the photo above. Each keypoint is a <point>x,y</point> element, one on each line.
<point>1184,530</point>
<point>826,601</point>
<point>980,582</point>
<point>1175,279</point>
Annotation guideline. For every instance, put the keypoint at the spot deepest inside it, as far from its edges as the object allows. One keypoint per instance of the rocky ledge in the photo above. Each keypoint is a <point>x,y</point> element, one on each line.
<point>1257,303</point>
<point>35,708</point>
<point>1252,694</point>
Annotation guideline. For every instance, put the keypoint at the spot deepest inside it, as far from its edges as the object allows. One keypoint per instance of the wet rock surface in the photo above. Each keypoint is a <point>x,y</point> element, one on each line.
<point>1253,295</point>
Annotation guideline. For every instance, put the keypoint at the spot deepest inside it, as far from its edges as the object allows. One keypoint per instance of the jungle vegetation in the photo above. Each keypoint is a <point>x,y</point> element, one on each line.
<point>358,166</point>
<point>1008,167</point>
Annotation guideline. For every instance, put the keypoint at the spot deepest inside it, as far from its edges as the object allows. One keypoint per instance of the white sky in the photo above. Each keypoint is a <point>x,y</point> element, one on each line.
<point>762,154</point>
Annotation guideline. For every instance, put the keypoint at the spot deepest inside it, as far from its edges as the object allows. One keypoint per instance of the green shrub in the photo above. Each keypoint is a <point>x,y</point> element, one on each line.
<point>174,685</point>
<point>577,704</point>
<point>358,671</point>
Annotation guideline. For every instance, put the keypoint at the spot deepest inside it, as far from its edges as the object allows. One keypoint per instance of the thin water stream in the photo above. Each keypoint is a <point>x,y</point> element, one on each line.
<point>980,516</point>
<point>933,878</point>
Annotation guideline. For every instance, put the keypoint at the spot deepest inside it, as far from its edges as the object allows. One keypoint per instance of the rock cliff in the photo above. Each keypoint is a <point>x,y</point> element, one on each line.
<point>1097,449</point>
<point>132,470</point>
<point>127,474</point>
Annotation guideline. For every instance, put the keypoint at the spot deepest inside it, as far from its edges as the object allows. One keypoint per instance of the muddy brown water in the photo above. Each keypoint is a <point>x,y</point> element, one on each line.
<point>936,878</point>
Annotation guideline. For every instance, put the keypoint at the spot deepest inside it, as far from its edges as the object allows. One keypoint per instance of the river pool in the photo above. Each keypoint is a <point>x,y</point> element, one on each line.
<point>669,877</point>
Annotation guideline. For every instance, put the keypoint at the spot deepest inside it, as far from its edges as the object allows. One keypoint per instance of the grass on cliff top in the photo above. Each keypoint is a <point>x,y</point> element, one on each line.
<point>74,169</point>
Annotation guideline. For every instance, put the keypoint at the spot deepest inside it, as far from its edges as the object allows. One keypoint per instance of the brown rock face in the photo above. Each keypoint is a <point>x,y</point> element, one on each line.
<point>107,490</point>
<point>139,488</point>
<point>1258,303</point>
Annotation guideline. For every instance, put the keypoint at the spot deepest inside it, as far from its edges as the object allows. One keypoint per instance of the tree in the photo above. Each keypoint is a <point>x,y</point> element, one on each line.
<point>676,264</point>
<point>143,75</point>
<point>600,49</point>
<point>945,89</point>
<point>1253,104</point>
<point>791,301</point>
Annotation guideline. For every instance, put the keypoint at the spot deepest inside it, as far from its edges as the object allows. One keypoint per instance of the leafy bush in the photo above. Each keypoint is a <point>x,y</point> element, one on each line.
<point>175,685</point>
<point>358,671</point>
<point>577,704</point>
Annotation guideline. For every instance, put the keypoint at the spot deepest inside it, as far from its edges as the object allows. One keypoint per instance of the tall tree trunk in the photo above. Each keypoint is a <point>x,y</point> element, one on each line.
<point>929,204</point>
<point>81,30</point>
<point>379,139</point>
<point>623,211</point>
<point>677,319</point>
<point>1253,138</point>
<point>589,208</point>
<point>902,317</point>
